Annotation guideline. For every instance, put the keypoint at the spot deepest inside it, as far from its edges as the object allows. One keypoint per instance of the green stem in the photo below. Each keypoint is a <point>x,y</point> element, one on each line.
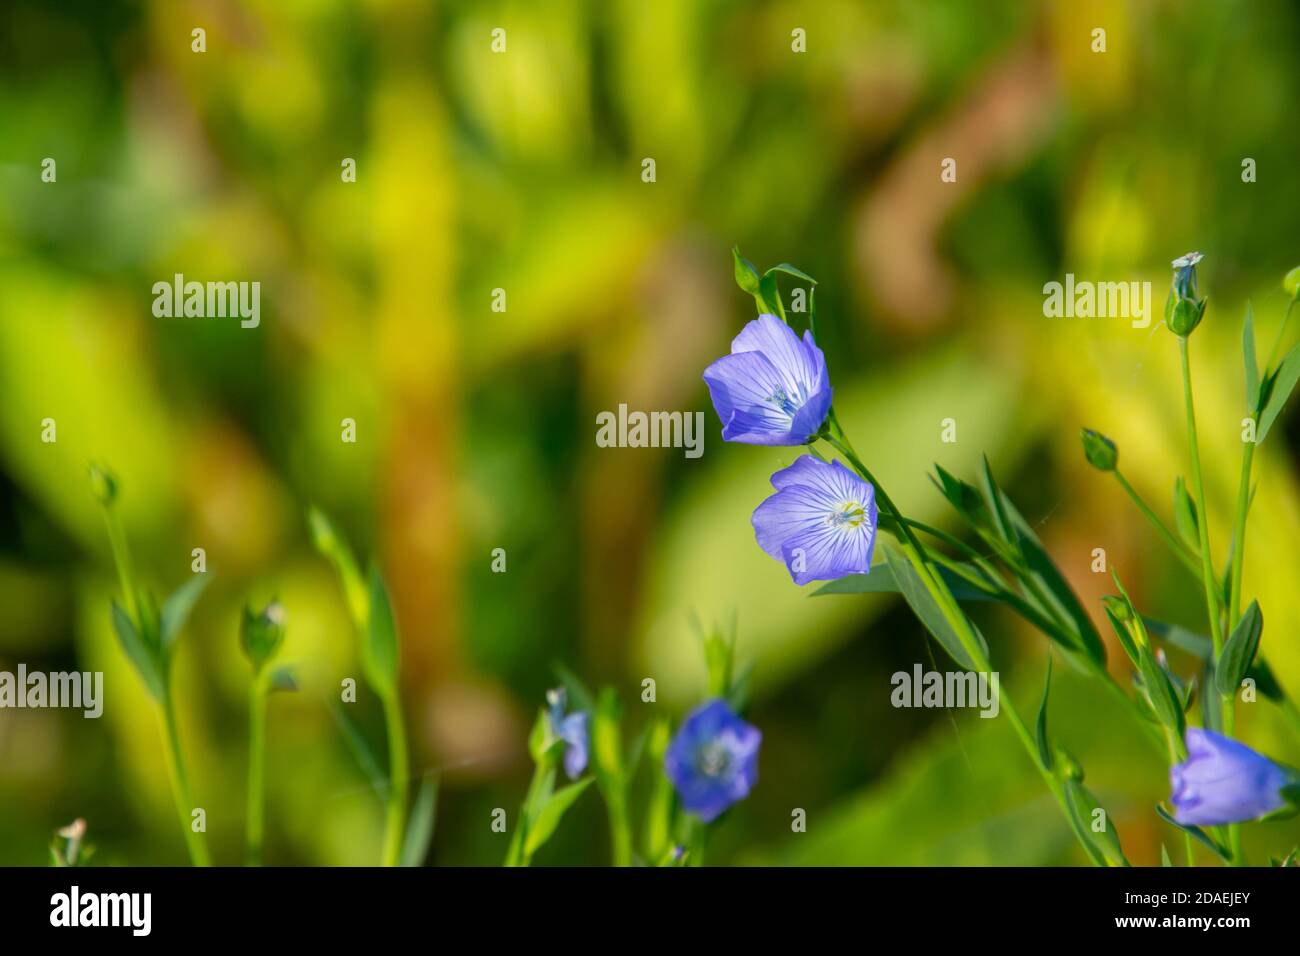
<point>398,779</point>
<point>198,848</point>
<point>122,559</point>
<point>1203,518</point>
<point>620,827</point>
<point>515,855</point>
<point>256,770</point>
<point>1239,536</point>
<point>951,611</point>
<point>1176,545</point>
<point>1207,564</point>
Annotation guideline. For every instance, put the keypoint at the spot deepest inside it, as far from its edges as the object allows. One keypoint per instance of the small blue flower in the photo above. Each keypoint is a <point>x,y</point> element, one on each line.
<point>1223,781</point>
<point>1185,275</point>
<point>713,760</point>
<point>821,523</point>
<point>773,389</point>
<point>572,729</point>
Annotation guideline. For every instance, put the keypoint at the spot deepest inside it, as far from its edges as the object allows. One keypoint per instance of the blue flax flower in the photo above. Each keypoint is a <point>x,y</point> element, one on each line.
<point>572,729</point>
<point>1185,275</point>
<point>821,523</point>
<point>713,760</point>
<point>773,389</point>
<point>1223,781</point>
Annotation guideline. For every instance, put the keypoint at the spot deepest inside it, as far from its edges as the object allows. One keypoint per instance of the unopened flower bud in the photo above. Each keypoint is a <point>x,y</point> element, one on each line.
<point>1099,450</point>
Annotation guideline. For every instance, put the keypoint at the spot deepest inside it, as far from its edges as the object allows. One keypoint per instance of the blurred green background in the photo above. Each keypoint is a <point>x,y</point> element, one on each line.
<point>522,170</point>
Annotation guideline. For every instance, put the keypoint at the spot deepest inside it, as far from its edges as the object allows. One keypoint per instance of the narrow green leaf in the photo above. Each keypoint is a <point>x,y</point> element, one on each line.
<point>419,829</point>
<point>547,818</point>
<point>1248,356</point>
<point>1185,516</point>
<point>791,271</point>
<point>1160,692</point>
<point>177,607</point>
<point>996,503</point>
<point>1239,653</point>
<point>330,543</point>
<point>1040,729</point>
<point>925,608</point>
<point>140,656</point>
<point>881,581</point>
<point>580,695</point>
<point>1084,807</point>
<point>1279,388</point>
<point>1200,646</point>
<point>360,747</point>
<point>746,274</point>
<point>382,654</point>
<point>1196,833</point>
<point>771,296</point>
<point>1164,857</point>
<point>283,679</point>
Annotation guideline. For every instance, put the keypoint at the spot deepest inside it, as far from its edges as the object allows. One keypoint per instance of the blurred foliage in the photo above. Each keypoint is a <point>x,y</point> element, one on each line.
<point>522,171</point>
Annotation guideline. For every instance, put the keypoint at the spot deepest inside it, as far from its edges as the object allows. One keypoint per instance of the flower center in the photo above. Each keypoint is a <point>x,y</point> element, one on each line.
<point>713,759</point>
<point>783,401</point>
<point>850,515</point>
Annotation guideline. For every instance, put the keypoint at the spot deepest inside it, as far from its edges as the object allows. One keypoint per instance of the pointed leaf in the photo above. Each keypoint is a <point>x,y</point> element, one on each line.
<point>1239,653</point>
<point>1248,356</point>
<point>1279,388</point>
<point>177,608</point>
<point>419,830</point>
<point>791,271</point>
<point>382,654</point>
<point>1083,807</point>
<point>360,747</point>
<point>1040,728</point>
<point>746,274</point>
<point>1196,833</point>
<point>881,581</point>
<point>548,817</point>
<point>1185,516</point>
<point>283,679</point>
<point>141,656</point>
<point>925,608</point>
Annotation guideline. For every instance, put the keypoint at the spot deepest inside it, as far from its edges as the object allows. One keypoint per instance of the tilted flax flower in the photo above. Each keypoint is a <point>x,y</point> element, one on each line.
<point>1223,781</point>
<point>572,729</point>
<point>1185,275</point>
<point>773,389</point>
<point>713,760</point>
<point>821,523</point>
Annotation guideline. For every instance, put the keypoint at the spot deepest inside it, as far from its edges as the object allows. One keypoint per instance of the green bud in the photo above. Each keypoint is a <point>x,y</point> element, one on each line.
<point>1291,282</point>
<point>1118,607</point>
<point>1186,316</point>
<point>1099,450</point>
<point>261,634</point>
<point>1070,767</point>
<point>103,485</point>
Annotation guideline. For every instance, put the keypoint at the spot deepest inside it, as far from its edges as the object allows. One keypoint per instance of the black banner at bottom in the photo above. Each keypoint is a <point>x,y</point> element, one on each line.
<point>339,905</point>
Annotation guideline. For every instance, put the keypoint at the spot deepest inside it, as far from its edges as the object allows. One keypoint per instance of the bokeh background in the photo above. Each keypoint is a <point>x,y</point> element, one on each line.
<point>476,429</point>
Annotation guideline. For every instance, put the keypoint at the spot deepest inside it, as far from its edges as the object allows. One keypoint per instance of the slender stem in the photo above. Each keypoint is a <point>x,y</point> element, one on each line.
<point>1176,545</point>
<point>515,855</point>
<point>195,842</point>
<point>256,770</point>
<point>398,779</point>
<point>952,613</point>
<point>1203,518</point>
<point>620,828</point>
<point>1212,595</point>
<point>122,559</point>
<point>1239,536</point>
